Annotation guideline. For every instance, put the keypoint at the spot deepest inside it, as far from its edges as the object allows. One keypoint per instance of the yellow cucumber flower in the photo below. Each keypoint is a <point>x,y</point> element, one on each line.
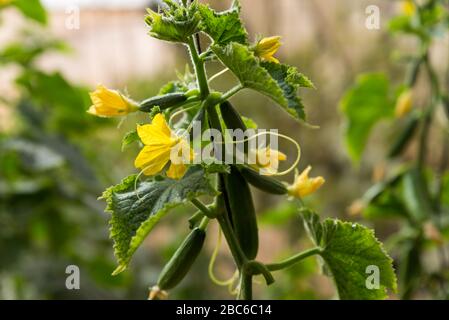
<point>110,103</point>
<point>408,7</point>
<point>267,160</point>
<point>404,104</point>
<point>267,48</point>
<point>161,146</point>
<point>303,185</point>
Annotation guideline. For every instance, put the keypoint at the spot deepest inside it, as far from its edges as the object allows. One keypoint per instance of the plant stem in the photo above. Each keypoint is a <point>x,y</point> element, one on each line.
<point>203,208</point>
<point>428,114</point>
<point>232,92</point>
<point>200,71</point>
<point>231,239</point>
<point>293,260</point>
<point>246,286</point>
<point>204,223</point>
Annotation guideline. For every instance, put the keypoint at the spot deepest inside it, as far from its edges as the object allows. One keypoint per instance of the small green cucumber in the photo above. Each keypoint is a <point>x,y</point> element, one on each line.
<point>405,137</point>
<point>181,262</point>
<point>164,102</point>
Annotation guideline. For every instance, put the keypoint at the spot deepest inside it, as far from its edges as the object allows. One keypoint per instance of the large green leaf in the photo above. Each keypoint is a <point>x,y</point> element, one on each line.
<point>367,102</point>
<point>279,84</point>
<point>175,23</point>
<point>135,211</point>
<point>223,27</point>
<point>32,9</point>
<point>349,250</point>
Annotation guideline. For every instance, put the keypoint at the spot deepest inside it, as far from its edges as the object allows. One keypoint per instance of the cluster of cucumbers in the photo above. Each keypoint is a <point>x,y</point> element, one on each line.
<point>238,206</point>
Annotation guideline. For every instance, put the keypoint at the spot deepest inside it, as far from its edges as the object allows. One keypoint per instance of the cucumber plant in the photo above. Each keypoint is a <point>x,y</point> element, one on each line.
<point>415,189</point>
<point>349,251</point>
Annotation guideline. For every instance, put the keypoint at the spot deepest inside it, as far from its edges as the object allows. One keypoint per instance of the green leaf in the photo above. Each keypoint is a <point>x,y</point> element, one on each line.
<point>175,23</point>
<point>242,62</point>
<point>223,27</point>
<point>135,212</point>
<point>129,139</point>
<point>348,249</point>
<point>249,123</point>
<point>216,168</point>
<point>289,79</point>
<point>365,104</point>
<point>29,48</point>
<point>32,9</point>
<point>63,103</point>
<point>186,81</point>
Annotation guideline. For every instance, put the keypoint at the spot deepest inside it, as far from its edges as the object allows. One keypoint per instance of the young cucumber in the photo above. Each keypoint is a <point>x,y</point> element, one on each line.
<point>231,117</point>
<point>178,266</point>
<point>233,120</point>
<point>405,137</point>
<point>243,214</point>
<point>164,102</point>
<point>264,183</point>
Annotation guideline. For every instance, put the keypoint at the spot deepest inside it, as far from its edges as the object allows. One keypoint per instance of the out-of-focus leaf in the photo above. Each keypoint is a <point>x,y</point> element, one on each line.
<point>26,51</point>
<point>410,266</point>
<point>387,205</point>
<point>135,212</point>
<point>60,101</point>
<point>34,156</point>
<point>279,215</point>
<point>32,9</point>
<point>349,250</point>
<point>365,104</point>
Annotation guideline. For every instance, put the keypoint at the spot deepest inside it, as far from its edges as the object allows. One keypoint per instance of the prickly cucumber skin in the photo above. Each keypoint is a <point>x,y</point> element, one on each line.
<point>164,102</point>
<point>181,262</point>
<point>263,183</point>
<point>243,214</point>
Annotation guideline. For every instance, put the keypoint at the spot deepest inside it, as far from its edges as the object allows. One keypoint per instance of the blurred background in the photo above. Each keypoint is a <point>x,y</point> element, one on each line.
<point>56,160</point>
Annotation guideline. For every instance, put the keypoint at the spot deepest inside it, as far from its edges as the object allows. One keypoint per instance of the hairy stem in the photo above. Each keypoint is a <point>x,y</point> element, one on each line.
<point>199,69</point>
<point>203,208</point>
<point>232,92</point>
<point>293,260</point>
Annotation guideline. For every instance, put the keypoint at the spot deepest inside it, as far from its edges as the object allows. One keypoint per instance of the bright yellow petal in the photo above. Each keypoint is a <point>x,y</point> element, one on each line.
<point>303,185</point>
<point>152,159</point>
<point>160,123</point>
<point>267,48</point>
<point>110,103</point>
<point>156,133</point>
<point>176,171</point>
